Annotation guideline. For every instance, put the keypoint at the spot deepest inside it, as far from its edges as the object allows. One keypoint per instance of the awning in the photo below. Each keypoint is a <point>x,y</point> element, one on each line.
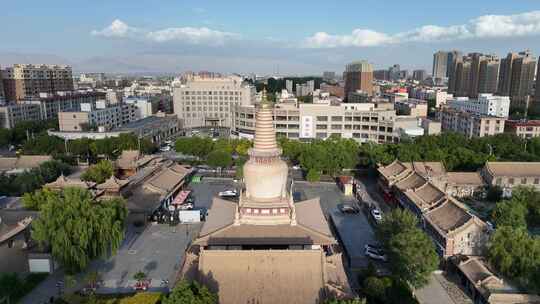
<point>181,197</point>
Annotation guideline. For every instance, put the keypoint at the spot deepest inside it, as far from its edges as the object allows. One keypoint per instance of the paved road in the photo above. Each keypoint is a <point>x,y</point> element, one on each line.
<point>433,293</point>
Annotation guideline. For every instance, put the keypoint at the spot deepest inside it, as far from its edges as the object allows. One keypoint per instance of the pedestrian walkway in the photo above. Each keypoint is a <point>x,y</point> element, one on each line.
<point>433,293</point>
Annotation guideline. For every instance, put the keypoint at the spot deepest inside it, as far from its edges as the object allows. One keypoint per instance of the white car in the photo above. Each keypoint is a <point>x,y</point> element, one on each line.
<point>375,254</point>
<point>165,149</point>
<point>376,214</point>
<point>228,193</point>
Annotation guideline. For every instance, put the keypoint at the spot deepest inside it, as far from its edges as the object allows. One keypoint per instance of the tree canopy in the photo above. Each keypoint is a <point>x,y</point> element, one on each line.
<point>30,180</point>
<point>78,229</point>
<point>411,254</point>
<point>186,292</point>
<point>99,172</point>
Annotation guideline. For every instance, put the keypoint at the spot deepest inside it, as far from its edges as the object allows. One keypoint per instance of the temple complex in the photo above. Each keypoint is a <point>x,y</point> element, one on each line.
<point>265,248</point>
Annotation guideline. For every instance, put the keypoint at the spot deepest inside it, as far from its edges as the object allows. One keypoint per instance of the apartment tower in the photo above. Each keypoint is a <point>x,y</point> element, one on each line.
<point>359,76</point>
<point>523,70</point>
<point>440,65</point>
<point>23,81</point>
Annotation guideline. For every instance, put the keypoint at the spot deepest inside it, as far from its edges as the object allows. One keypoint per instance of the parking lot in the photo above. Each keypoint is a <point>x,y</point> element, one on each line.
<point>354,231</point>
<point>158,251</point>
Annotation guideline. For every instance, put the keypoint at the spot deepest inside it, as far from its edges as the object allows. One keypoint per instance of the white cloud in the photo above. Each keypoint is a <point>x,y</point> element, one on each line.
<point>191,35</point>
<point>117,29</point>
<point>488,26</point>
<point>188,35</point>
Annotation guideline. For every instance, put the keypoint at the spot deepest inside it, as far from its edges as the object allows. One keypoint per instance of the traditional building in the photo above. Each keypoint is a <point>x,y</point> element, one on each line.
<point>266,248</point>
<point>508,175</point>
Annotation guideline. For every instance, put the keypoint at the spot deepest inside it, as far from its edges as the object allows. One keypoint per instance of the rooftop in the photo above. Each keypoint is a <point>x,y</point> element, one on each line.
<point>514,169</point>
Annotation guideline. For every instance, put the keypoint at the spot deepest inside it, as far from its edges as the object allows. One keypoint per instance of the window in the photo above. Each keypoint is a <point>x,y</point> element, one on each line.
<point>511,181</point>
<point>524,180</point>
<point>536,181</point>
<point>322,118</point>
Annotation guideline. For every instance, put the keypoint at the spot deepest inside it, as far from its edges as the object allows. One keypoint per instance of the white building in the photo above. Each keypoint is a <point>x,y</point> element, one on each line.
<point>98,116</point>
<point>144,106</point>
<point>210,101</point>
<point>289,85</point>
<point>486,104</point>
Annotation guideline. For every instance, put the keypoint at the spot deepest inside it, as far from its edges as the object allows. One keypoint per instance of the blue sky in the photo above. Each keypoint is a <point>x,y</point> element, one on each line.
<point>298,37</point>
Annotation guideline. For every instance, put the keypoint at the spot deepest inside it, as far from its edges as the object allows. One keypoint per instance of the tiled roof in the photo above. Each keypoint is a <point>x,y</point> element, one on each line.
<point>62,182</point>
<point>309,214</point>
<point>128,159</point>
<point>112,183</point>
<point>264,276</point>
<point>514,169</point>
<point>448,217</point>
<point>426,196</point>
<point>412,181</point>
<point>220,215</point>
<point>23,162</point>
<point>465,178</point>
<point>393,169</point>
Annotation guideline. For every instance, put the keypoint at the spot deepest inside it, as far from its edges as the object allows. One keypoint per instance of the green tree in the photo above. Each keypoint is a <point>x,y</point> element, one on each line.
<point>219,158</point>
<point>77,229</point>
<point>34,200</point>
<point>510,213</point>
<point>376,288</point>
<point>313,176</point>
<point>494,194</point>
<point>99,172</point>
<point>190,293</point>
<point>412,256</point>
<point>516,254</point>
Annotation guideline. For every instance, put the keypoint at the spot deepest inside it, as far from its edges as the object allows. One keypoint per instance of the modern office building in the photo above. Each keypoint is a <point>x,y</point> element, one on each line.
<point>306,121</point>
<point>23,81</point>
<point>359,76</point>
<point>470,124</point>
<point>485,104</point>
<point>440,65</point>
<point>209,101</point>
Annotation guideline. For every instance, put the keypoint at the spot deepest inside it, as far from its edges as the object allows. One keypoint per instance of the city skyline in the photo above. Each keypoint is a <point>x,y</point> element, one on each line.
<point>289,38</point>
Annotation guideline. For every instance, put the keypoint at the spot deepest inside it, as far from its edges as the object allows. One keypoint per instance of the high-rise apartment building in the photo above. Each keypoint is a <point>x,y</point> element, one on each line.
<point>537,92</point>
<point>452,57</point>
<point>381,75</point>
<point>23,81</point>
<point>2,96</point>
<point>289,85</point>
<point>505,74</point>
<point>461,78</point>
<point>476,59</point>
<point>488,75</point>
<point>440,65</point>
<point>329,76</point>
<point>209,101</point>
<point>523,70</point>
<point>359,76</point>
<point>419,75</point>
<point>394,72</point>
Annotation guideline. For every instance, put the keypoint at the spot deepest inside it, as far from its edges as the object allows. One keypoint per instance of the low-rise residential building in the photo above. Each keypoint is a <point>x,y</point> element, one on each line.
<point>484,285</point>
<point>470,124</point>
<point>411,107</point>
<point>100,117</point>
<point>14,113</point>
<point>485,104</point>
<point>145,107</point>
<point>333,89</point>
<point>431,127</point>
<point>51,104</point>
<point>509,175</point>
<point>523,128</point>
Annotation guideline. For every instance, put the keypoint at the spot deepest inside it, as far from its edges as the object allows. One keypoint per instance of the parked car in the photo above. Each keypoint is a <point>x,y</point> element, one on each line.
<point>348,209</point>
<point>296,167</point>
<point>228,193</point>
<point>375,247</point>
<point>165,149</point>
<point>376,214</point>
<point>375,254</point>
